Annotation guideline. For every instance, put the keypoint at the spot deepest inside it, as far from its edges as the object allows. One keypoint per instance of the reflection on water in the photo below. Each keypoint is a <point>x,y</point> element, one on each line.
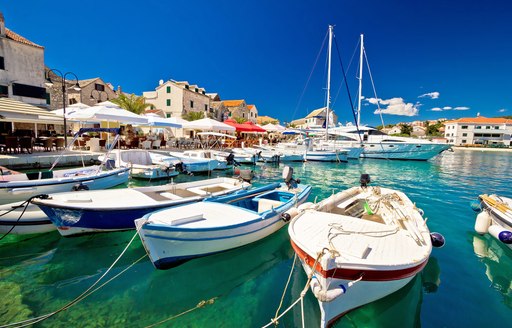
<point>498,265</point>
<point>39,274</point>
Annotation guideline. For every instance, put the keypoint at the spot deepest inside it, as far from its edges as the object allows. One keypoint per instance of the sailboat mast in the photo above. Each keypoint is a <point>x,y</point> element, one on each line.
<point>328,84</point>
<point>360,82</point>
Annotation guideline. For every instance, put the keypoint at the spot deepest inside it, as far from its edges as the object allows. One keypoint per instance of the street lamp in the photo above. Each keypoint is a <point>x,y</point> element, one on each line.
<point>76,87</point>
<point>99,93</point>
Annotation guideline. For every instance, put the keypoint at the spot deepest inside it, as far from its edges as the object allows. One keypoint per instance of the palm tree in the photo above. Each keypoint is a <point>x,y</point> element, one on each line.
<point>132,103</point>
<point>193,116</point>
<point>240,120</point>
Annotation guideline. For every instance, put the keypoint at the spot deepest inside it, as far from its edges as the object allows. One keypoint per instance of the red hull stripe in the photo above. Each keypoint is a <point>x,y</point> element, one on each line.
<point>353,274</point>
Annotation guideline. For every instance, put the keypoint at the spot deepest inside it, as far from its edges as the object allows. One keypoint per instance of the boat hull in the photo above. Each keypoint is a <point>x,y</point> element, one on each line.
<point>403,151</point>
<point>499,209</point>
<point>15,191</point>
<point>168,245</point>
<point>326,156</point>
<point>33,220</point>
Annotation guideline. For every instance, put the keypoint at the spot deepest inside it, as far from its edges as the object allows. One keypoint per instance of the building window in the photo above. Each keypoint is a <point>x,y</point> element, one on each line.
<point>205,108</point>
<point>48,98</point>
<point>2,64</point>
<point>191,104</point>
<point>496,127</point>
<point>72,101</point>
<point>487,127</point>
<point>168,89</point>
<point>204,92</point>
<point>464,127</point>
<point>464,141</point>
<point>168,115</point>
<point>99,87</point>
<point>31,91</point>
<point>478,127</point>
<point>4,91</point>
<point>186,86</point>
<point>464,134</point>
<point>197,90</point>
<point>168,102</point>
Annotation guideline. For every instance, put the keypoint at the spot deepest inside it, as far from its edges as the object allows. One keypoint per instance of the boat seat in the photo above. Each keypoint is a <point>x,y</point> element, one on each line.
<point>267,204</point>
<point>373,217</point>
<point>160,195</point>
<point>188,219</point>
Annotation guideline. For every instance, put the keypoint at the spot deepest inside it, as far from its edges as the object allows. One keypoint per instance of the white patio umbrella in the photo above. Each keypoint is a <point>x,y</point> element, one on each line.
<point>273,127</point>
<point>156,120</point>
<point>70,109</point>
<point>208,124</point>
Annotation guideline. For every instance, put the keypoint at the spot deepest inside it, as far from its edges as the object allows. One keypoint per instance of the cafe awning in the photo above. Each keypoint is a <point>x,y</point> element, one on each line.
<point>18,111</point>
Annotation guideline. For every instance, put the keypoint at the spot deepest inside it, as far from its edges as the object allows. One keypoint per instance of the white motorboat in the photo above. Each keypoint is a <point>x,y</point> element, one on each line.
<point>245,155</point>
<point>174,235</point>
<point>495,218</point>
<point>142,165</point>
<point>116,209</point>
<point>19,217</point>
<point>360,245</point>
<point>196,161</point>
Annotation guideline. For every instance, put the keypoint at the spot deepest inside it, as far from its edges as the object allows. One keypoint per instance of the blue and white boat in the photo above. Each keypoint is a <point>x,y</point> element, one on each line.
<point>116,209</point>
<point>178,234</point>
<point>17,216</point>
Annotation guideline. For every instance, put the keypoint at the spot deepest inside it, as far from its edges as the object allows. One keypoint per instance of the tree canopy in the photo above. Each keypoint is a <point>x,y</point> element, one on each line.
<point>193,116</point>
<point>132,103</point>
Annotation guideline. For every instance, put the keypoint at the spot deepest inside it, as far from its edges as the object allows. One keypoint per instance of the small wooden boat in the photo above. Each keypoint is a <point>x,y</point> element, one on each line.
<point>495,218</point>
<point>360,245</point>
<point>175,235</point>
<point>116,209</point>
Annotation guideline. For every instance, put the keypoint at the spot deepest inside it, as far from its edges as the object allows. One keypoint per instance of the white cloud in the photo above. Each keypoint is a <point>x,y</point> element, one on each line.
<point>395,106</point>
<point>436,109</point>
<point>461,108</point>
<point>447,107</point>
<point>503,110</point>
<point>431,95</point>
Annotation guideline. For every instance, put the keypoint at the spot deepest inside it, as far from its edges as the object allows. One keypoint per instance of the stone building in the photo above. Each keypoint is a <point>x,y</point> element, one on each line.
<point>316,119</point>
<point>240,109</point>
<point>176,99</point>
<point>21,68</point>
<point>94,91</point>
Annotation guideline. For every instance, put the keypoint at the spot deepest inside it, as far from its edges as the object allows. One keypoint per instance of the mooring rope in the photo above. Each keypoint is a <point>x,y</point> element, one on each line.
<point>275,320</point>
<point>80,297</point>
<point>199,305</point>
<point>286,287</point>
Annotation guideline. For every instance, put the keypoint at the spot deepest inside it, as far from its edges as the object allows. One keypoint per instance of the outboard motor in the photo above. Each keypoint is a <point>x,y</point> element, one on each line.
<point>364,180</point>
<point>288,178</point>
<point>245,175</point>
<point>230,159</point>
<point>179,167</point>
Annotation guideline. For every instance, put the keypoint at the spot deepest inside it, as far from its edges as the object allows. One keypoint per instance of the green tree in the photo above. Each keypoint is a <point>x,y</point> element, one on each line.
<point>240,120</point>
<point>405,129</point>
<point>132,103</point>
<point>193,116</point>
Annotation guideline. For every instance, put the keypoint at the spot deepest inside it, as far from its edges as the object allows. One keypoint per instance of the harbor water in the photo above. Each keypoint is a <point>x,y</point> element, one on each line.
<point>467,283</point>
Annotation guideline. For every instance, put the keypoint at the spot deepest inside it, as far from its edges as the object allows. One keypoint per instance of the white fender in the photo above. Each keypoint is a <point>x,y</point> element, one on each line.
<point>325,295</point>
<point>495,230</point>
<point>482,223</point>
<point>305,206</point>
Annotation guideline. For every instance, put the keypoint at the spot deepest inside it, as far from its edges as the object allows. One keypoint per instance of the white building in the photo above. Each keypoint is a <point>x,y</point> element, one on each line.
<point>178,98</point>
<point>21,68</point>
<point>479,130</point>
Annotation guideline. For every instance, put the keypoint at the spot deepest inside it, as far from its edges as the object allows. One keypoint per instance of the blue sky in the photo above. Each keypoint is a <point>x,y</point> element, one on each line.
<point>429,59</point>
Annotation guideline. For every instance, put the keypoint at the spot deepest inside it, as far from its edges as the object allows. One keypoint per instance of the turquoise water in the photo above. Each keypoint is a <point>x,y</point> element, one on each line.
<point>465,284</point>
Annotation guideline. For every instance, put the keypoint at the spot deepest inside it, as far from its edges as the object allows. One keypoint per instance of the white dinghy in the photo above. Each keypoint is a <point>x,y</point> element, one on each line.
<point>175,235</point>
<point>495,218</point>
<point>360,245</point>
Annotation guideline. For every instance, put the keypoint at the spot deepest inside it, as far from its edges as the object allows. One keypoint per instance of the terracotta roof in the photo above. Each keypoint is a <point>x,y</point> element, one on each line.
<point>261,119</point>
<point>481,120</point>
<point>232,103</point>
<point>83,83</point>
<point>18,38</point>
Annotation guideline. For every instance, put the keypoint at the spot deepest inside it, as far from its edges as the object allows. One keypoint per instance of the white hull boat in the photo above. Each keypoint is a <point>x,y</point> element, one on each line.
<point>327,155</point>
<point>360,245</point>
<point>18,220</point>
<point>116,209</point>
<point>141,164</point>
<point>193,163</point>
<point>175,235</point>
<point>495,218</point>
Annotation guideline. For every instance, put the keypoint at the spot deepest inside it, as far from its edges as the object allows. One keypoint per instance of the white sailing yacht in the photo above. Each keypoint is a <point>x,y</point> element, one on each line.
<point>377,144</point>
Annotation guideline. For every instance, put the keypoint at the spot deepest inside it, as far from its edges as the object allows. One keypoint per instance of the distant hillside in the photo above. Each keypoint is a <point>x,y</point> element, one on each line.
<point>508,117</point>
